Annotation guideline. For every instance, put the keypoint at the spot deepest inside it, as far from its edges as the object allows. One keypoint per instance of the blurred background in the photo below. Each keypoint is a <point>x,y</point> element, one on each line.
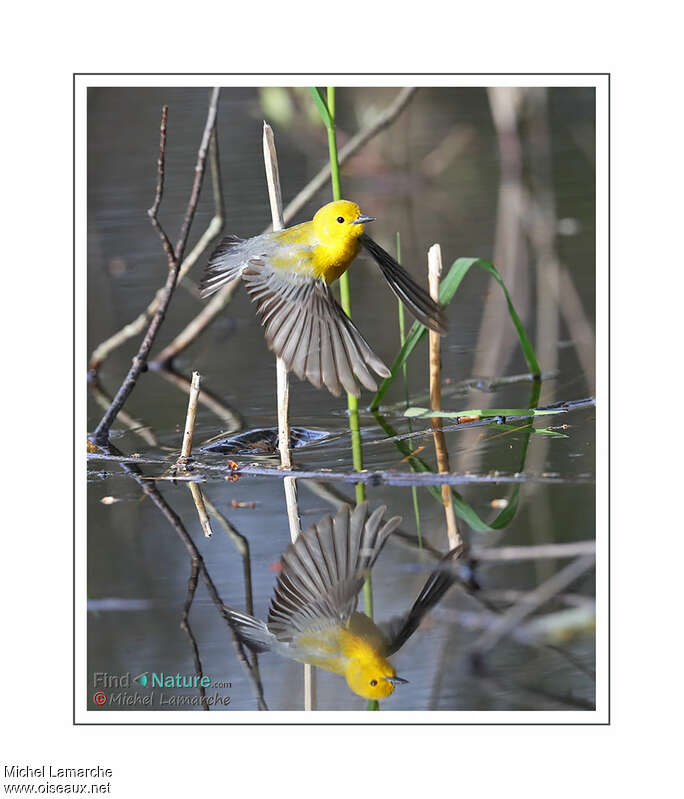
<point>504,174</point>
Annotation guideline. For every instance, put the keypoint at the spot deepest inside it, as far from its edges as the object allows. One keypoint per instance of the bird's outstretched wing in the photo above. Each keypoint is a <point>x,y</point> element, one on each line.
<point>307,328</point>
<point>225,265</point>
<point>323,571</point>
<point>400,628</point>
<point>415,298</point>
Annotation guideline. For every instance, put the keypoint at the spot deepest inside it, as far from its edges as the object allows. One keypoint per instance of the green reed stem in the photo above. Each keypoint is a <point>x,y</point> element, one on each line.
<point>345,295</point>
<point>352,401</point>
<point>326,108</point>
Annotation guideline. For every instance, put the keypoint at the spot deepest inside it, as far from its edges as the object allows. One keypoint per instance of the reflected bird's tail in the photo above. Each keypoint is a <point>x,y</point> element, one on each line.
<point>253,633</point>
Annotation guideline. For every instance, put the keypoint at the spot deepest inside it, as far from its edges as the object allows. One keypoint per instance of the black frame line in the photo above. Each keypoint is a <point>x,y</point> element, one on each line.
<point>75,723</point>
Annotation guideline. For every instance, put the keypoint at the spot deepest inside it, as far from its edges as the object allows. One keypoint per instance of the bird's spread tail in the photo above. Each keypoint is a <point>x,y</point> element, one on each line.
<point>415,298</point>
<point>225,265</point>
<point>253,633</point>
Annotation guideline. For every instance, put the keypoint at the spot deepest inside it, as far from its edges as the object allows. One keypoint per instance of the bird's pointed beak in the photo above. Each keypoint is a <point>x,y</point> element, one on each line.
<point>396,680</point>
<point>361,220</point>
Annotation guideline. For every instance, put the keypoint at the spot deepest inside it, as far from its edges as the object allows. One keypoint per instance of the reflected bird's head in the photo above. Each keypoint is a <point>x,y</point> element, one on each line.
<point>372,677</point>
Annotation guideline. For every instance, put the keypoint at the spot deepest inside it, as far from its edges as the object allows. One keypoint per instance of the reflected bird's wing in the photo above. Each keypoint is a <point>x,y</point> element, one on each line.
<point>323,571</point>
<point>415,298</point>
<point>307,328</point>
<point>252,632</point>
<point>400,628</point>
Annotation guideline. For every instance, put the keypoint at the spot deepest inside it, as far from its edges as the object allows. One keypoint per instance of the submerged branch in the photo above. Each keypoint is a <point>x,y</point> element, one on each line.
<point>375,478</point>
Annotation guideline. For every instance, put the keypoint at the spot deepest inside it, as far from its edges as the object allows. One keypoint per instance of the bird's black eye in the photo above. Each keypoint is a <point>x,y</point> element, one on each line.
<point>373,683</point>
<point>340,219</point>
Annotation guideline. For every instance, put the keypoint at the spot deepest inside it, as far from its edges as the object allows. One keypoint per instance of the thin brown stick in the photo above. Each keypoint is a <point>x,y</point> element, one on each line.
<point>175,257</point>
<point>434,275</point>
<point>185,626</point>
<point>223,297</point>
<point>161,170</point>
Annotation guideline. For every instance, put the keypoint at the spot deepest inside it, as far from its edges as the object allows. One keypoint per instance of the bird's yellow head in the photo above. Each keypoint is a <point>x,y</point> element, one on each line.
<point>372,678</point>
<point>339,222</point>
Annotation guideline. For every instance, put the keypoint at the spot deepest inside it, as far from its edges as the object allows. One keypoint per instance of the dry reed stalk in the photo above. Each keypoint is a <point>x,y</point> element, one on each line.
<point>186,452</point>
<point>191,415</point>
<point>434,274</point>
<point>283,383</point>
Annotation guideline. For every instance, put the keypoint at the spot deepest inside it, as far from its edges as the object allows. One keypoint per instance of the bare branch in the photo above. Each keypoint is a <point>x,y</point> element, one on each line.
<point>161,165</point>
<point>223,297</point>
<point>101,434</point>
<point>103,350</point>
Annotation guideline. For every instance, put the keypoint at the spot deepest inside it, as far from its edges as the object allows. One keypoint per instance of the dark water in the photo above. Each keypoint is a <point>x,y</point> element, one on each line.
<point>434,176</point>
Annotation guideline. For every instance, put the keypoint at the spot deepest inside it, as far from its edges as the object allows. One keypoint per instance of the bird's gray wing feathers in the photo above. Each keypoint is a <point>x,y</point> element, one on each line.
<point>252,632</point>
<point>226,264</point>
<point>400,628</point>
<point>307,328</point>
<point>324,569</point>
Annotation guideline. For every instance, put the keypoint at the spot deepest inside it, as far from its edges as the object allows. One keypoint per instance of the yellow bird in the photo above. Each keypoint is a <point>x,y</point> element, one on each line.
<point>288,275</point>
<point>313,617</point>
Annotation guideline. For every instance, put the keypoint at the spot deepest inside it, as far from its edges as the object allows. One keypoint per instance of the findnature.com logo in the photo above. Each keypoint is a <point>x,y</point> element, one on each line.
<point>115,693</point>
